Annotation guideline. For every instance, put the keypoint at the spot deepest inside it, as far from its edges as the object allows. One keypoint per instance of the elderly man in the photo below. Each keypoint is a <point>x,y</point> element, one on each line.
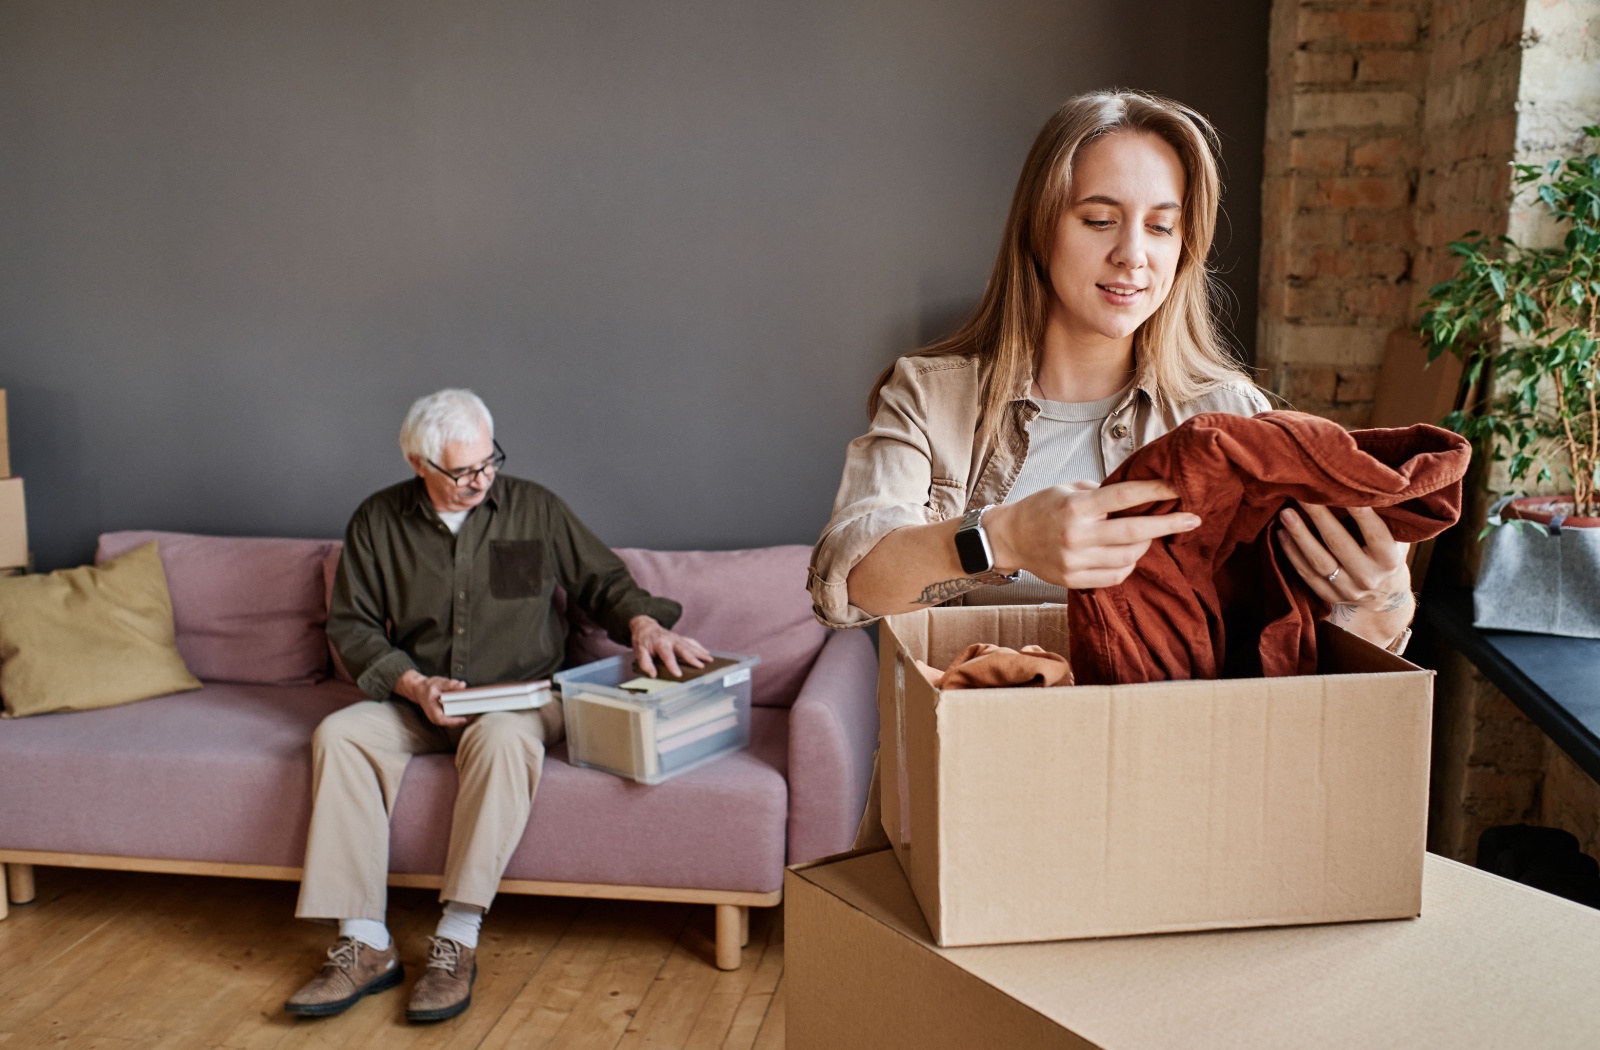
<point>446,581</point>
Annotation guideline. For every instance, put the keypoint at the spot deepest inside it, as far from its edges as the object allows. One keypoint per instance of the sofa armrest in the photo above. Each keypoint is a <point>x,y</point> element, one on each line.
<point>833,732</point>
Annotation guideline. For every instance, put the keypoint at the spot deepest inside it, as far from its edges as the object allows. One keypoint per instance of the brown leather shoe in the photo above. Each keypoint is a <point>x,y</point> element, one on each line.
<point>353,969</point>
<point>445,988</point>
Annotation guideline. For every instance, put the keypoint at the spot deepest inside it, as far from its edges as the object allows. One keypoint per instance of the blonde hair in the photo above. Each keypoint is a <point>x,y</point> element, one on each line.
<point>1179,353</point>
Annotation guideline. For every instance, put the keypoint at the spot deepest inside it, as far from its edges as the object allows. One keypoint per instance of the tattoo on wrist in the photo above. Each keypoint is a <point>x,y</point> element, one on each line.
<point>1344,613</point>
<point>1394,601</point>
<point>935,593</point>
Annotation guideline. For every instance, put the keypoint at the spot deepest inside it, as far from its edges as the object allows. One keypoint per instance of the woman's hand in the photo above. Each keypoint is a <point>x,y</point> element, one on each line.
<point>1367,583</point>
<point>651,642</point>
<point>1065,534</point>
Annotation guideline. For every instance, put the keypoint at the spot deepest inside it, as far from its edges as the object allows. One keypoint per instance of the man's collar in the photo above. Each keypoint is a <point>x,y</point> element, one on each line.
<point>417,501</point>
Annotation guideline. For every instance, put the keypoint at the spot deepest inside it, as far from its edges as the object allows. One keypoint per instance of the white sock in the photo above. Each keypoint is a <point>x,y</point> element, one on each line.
<point>370,932</point>
<point>460,922</point>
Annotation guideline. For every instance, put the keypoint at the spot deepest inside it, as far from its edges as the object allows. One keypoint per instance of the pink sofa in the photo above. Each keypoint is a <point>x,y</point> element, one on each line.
<point>218,781</point>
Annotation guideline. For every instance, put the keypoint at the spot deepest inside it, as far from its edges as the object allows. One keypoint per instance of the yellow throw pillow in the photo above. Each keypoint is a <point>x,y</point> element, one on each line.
<point>92,637</point>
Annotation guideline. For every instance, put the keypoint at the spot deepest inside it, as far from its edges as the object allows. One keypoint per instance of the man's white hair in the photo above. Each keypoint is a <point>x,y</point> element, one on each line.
<point>443,418</point>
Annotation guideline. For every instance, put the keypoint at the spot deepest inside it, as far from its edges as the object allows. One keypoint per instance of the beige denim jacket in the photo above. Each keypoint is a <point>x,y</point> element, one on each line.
<point>923,461</point>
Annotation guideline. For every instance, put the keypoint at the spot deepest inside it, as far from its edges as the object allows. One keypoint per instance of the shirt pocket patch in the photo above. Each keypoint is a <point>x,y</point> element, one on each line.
<point>516,568</point>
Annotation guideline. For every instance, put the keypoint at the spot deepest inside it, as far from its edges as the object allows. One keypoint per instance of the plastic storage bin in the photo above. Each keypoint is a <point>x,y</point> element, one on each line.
<point>649,737</point>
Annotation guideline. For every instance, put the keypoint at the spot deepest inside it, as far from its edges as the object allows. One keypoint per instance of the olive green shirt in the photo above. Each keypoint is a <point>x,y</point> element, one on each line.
<point>478,606</point>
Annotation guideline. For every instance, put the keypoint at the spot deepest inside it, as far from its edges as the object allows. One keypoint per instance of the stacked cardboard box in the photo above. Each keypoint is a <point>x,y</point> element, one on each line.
<point>1489,964</point>
<point>13,511</point>
<point>1090,811</point>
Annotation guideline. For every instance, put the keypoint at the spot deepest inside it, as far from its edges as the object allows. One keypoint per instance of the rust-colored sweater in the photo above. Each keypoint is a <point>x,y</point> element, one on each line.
<point>1223,601</point>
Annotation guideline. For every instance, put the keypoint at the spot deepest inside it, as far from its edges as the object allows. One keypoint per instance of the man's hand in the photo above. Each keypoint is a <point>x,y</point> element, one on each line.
<point>424,691</point>
<point>651,641</point>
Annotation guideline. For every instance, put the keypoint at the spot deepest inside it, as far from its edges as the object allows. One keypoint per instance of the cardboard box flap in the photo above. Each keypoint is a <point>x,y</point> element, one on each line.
<point>941,639</point>
<point>1340,652</point>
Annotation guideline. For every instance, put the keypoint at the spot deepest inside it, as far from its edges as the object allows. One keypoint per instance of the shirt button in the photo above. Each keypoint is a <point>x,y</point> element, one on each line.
<point>462,594</point>
<point>461,630</point>
<point>1120,430</point>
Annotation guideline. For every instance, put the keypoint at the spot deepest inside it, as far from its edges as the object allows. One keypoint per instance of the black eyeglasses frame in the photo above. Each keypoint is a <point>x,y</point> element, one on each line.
<point>467,475</point>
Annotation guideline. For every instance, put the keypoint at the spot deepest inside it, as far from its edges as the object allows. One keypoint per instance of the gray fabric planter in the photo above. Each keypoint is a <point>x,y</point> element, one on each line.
<point>1541,578</point>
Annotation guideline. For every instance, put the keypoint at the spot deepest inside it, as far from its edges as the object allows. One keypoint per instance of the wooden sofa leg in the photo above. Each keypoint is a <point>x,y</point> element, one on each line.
<point>4,908</point>
<point>19,881</point>
<point>730,920</point>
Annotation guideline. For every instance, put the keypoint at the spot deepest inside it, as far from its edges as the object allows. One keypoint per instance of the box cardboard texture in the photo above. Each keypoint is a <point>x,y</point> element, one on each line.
<point>5,439</point>
<point>1490,964</point>
<point>13,525</point>
<point>1089,811</point>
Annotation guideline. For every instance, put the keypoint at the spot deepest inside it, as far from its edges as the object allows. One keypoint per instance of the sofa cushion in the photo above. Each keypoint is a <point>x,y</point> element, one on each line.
<point>89,637</point>
<point>224,774</point>
<point>246,610</point>
<point>744,601</point>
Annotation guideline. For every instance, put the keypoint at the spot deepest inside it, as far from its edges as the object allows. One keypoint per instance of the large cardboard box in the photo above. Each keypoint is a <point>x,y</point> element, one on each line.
<point>13,524</point>
<point>1090,811</point>
<point>1489,964</point>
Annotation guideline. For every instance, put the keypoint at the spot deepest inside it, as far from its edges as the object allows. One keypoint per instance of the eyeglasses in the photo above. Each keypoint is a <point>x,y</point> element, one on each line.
<point>469,475</point>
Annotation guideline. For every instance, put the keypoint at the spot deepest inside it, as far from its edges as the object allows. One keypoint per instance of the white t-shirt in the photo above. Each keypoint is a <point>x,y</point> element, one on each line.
<point>452,519</point>
<point>1063,446</point>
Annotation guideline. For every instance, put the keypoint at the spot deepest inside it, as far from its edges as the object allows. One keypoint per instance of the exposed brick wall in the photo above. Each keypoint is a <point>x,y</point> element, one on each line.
<point>1488,761</point>
<point>1480,106</point>
<point>1469,129</point>
<point>1569,798</point>
<point>1387,124</point>
<point>1492,766</point>
<point>1391,127</point>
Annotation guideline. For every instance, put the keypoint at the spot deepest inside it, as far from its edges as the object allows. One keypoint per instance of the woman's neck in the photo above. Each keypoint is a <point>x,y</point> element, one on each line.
<point>1075,367</point>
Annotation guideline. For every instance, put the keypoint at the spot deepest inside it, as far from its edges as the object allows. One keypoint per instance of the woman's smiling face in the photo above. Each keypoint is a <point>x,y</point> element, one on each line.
<point>1119,239</point>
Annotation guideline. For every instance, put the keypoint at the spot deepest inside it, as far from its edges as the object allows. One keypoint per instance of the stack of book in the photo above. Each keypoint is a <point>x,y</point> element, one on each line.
<point>649,728</point>
<point>512,696</point>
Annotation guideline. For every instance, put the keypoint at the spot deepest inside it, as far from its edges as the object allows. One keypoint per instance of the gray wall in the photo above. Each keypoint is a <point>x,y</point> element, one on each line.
<point>670,243</point>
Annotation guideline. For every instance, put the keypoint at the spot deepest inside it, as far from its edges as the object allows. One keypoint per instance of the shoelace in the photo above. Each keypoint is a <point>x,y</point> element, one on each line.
<point>443,954</point>
<point>343,953</point>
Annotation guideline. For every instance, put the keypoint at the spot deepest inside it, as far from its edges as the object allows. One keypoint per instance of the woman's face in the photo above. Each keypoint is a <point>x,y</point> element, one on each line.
<point>1118,242</point>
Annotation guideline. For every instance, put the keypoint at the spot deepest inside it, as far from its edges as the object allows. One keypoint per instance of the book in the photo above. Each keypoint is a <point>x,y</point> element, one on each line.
<point>510,696</point>
<point>717,707</point>
<point>615,735</point>
<point>663,680</point>
<point>694,736</point>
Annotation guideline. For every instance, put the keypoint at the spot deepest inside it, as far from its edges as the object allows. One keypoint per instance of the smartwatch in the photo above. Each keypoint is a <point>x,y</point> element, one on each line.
<point>972,547</point>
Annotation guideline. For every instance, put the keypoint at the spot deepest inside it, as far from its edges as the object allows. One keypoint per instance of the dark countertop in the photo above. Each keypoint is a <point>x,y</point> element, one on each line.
<point>1554,680</point>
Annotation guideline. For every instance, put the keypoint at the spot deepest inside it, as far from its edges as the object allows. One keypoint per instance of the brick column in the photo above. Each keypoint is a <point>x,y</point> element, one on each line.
<point>1391,127</point>
<point>1388,125</point>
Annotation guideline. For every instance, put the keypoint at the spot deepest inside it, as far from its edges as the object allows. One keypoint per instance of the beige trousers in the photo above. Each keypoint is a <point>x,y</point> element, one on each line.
<point>358,756</point>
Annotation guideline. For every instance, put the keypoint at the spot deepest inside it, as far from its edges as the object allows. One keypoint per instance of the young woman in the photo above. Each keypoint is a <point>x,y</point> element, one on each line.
<point>980,475</point>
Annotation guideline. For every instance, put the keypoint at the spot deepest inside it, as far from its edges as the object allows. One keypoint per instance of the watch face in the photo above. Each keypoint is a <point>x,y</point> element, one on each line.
<point>972,547</point>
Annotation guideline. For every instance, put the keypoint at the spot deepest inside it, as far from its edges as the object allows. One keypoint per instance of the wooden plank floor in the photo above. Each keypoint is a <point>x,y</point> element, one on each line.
<point>121,960</point>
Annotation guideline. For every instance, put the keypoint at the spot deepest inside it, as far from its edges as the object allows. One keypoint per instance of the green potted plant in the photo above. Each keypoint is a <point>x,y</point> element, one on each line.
<point>1527,318</point>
